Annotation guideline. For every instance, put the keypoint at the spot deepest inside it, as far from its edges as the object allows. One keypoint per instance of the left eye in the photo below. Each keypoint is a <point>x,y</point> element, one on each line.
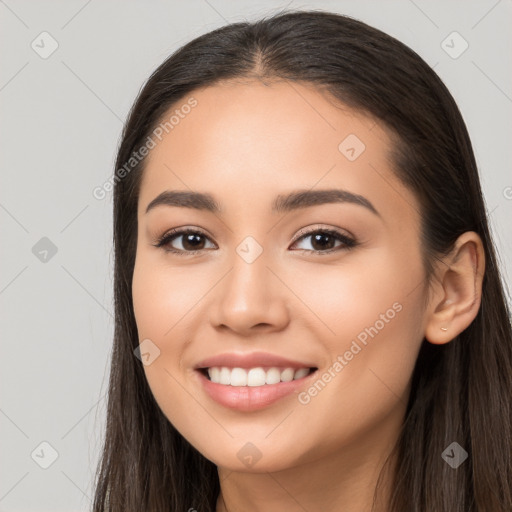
<point>324,239</point>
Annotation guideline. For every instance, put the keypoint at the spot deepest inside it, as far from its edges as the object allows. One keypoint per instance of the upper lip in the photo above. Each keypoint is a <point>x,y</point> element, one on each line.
<point>251,360</point>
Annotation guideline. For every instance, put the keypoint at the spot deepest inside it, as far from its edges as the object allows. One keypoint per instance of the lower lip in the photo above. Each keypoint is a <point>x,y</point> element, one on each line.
<point>250,398</point>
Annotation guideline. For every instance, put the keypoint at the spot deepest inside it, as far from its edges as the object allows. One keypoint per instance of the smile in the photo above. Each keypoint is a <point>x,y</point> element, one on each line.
<point>246,397</point>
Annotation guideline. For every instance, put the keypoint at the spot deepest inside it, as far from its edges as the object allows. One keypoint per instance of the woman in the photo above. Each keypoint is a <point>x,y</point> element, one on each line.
<point>305,274</point>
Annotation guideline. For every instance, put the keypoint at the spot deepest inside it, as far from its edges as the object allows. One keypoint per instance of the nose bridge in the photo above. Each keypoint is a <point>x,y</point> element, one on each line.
<point>250,294</point>
<point>249,275</point>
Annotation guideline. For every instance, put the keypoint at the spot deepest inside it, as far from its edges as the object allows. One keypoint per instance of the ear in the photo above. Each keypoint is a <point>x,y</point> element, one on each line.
<point>456,295</point>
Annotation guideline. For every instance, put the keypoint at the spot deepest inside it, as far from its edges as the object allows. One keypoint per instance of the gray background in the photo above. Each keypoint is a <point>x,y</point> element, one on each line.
<point>61,121</point>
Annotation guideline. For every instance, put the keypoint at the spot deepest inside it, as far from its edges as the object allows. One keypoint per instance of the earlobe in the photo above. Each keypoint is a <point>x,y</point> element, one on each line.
<point>456,300</point>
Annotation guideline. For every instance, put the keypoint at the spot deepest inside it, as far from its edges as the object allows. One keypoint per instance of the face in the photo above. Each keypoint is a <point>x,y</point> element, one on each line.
<point>323,288</point>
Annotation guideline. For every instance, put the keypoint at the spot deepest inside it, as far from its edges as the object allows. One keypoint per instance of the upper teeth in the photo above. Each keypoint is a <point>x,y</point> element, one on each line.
<point>254,376</point>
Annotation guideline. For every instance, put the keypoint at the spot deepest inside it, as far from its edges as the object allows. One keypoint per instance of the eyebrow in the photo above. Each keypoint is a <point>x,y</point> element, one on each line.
<point>281,204</point>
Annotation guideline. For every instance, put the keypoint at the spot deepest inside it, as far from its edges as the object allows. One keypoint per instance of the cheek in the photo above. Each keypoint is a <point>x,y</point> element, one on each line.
<point>368,317</point>
<point>164,297</point>
<point>158,309</point>
<point>372,357</point>
<point>165,303</point>
<point>355,295</point>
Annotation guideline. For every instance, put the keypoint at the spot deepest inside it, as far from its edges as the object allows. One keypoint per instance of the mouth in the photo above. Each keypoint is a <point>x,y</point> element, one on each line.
<point>254,377</point>
<point>252,389</point>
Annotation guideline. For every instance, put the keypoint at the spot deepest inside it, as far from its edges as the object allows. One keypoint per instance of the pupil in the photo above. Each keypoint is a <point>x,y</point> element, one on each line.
<point>317,239</point>
<point>192,239</point>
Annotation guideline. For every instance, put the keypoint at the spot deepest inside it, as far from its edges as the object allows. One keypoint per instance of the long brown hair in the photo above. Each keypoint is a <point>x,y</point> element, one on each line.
<point>461,391</point>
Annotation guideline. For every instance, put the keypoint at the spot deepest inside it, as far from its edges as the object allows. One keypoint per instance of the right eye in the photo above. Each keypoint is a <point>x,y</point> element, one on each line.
<point>192,241</point>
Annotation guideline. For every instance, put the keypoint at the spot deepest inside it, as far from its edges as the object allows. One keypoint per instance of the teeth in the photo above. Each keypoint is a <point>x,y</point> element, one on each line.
<point>254,376</point>
<point>301,373</point>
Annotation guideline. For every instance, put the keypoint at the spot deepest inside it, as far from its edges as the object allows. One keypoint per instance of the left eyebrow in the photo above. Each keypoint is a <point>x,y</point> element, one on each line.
<point>282,203</point>
<point>307,198</point>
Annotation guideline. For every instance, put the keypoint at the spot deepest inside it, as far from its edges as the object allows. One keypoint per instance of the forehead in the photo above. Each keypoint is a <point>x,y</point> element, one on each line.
<point>246,141</point>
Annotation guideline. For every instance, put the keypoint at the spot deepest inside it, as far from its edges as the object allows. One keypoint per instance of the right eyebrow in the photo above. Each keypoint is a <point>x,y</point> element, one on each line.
<point>185,199</point>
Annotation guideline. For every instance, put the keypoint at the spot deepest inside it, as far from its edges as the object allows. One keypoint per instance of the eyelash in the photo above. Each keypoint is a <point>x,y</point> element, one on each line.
<point>164,240</point>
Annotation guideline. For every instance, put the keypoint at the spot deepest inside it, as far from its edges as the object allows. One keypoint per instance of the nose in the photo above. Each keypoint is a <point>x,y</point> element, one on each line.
<point>250,299</point>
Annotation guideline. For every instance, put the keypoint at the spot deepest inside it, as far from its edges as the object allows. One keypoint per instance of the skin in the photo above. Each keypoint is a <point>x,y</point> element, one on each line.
<point>245,143</point>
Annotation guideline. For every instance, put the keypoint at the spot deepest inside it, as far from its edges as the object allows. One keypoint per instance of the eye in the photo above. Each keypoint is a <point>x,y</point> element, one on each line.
<point>192,241</point>
<point>323,241</point>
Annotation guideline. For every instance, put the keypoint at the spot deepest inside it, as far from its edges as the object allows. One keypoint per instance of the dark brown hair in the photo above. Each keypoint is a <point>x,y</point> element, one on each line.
<point>461,391</point>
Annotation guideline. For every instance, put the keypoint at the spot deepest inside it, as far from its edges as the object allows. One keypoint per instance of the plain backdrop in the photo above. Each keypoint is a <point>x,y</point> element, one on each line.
<point>70,72</point>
